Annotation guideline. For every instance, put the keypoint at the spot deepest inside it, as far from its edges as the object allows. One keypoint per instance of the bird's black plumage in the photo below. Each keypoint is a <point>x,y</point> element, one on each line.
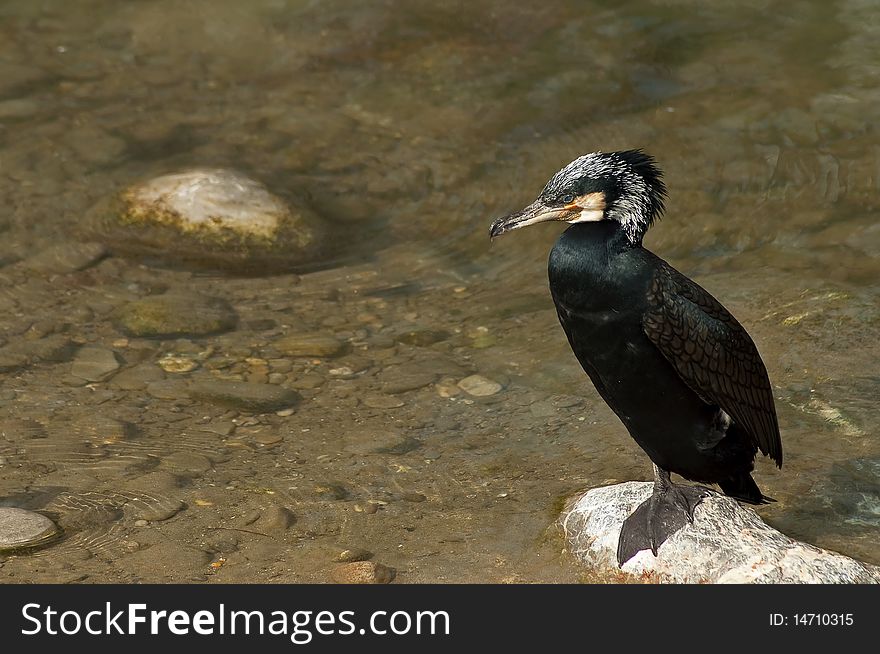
<point>713,354</point>
<point>675,366</point>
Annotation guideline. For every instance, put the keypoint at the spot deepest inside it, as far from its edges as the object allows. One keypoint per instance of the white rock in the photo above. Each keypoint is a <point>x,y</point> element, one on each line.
<point>728,543</point>
<point>23,528</point>
<point>208,216</point>
<point>212,199</point>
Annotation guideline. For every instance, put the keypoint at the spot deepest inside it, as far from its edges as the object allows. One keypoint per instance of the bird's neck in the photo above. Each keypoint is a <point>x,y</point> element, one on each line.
<point>590,266</point>
<point>602,240</point>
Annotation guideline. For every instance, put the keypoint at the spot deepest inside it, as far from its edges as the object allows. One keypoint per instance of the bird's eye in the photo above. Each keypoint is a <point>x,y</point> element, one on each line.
<point>568,198</point>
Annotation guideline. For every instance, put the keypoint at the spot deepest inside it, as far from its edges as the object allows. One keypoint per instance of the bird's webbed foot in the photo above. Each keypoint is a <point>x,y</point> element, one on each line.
<point>669,508</point>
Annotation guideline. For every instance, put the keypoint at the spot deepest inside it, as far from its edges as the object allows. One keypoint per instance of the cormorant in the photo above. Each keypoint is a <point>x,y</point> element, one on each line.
<point>676,367</point>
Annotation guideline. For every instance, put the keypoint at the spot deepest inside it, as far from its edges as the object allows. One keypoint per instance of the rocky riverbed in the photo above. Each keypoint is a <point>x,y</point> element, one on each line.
<point>242,435</point>
<point>398,403</point>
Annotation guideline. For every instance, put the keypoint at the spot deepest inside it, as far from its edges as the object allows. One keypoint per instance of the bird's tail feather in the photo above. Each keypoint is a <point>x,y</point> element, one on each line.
<point>743,488</point>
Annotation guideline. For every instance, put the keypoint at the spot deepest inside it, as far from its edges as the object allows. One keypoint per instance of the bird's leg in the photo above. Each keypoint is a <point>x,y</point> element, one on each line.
<point>669,508</point>
<point>685,498</point>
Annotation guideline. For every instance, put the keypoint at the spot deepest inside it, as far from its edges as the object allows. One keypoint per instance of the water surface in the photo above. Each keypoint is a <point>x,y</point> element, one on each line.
<point>409,126</point>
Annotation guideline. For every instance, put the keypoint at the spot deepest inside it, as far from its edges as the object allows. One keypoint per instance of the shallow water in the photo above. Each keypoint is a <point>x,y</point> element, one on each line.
<point>409,126</point>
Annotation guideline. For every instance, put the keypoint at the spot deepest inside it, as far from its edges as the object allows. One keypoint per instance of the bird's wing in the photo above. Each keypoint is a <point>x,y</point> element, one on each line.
<point>713,354</point>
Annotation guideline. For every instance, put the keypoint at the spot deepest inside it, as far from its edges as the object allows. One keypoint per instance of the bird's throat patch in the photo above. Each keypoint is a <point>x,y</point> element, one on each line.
<point>587,208</point>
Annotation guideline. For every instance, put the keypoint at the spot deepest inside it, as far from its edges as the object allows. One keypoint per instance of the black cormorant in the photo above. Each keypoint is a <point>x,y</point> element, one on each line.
<point>676,367</point>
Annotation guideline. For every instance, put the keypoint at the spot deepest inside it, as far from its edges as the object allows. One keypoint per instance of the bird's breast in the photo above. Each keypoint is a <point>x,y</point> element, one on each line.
<point>595,280</point>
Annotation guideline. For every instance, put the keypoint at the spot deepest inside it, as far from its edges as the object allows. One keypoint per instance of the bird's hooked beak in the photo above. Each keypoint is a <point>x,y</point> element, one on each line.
<point>536,212</point>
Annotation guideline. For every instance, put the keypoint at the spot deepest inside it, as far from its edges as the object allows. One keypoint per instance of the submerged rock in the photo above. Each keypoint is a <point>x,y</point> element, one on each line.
<point>848,494</point>
<point>137,377</point>
<point>177,363</point>
<point>20,528</point>
<point>186,464</point>
<point>275,520</point>
<point>353,555</point>
<point>363,572</point>
<point>728,543</point>
<point>404,378</point>
<point>479,386</point>
<point>153,508</point>
<point>422,337</point>
<point>54,348</point>
<point>94,364</point>
<point>94,428</point>
<point>175,314</point>
<point>11,359</point>
<point>381,401</point>
<point>246,396</point>
<point>208,216</point>
<point>310,345</point>
<point>66,257</point>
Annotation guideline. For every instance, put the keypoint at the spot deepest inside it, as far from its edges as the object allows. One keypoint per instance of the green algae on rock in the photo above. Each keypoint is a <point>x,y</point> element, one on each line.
<point>208,217</point>
<point>175,314</point>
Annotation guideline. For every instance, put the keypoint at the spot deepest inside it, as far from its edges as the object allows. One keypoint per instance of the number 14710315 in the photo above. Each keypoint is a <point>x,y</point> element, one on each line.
<point>812,620</point>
